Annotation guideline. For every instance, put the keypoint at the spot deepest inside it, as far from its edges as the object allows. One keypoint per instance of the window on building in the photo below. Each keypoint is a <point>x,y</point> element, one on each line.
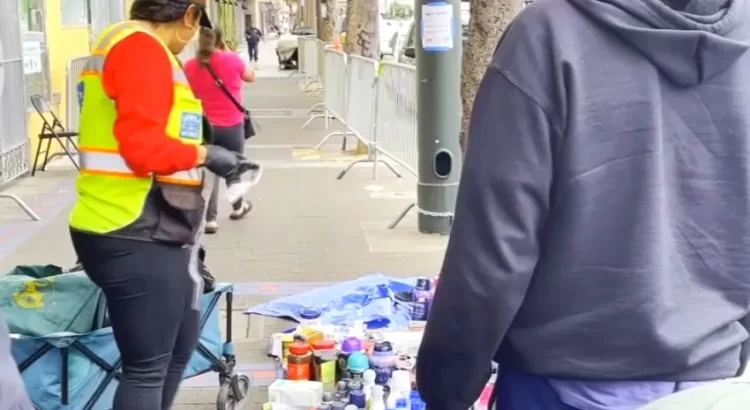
<point>34,47</point>
<point>75,13</point>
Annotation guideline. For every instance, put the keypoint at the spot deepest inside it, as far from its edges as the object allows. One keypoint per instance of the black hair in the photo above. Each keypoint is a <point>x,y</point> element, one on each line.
<point>209,40</point>
<point>159,11</point>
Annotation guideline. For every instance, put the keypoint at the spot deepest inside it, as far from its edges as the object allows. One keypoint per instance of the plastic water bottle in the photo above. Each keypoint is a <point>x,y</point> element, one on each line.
<point>378,401</point>
<point>421,299</point>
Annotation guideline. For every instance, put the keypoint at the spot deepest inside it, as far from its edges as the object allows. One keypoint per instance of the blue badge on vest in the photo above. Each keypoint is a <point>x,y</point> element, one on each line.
<point>190,125</point>
<point>79,89</point>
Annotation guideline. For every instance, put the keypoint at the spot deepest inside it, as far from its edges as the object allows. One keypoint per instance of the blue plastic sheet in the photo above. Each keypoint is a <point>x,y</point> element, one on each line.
<point>370,299</point>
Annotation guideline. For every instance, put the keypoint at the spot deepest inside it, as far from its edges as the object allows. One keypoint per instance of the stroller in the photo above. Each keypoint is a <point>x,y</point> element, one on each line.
<point>80,371</point>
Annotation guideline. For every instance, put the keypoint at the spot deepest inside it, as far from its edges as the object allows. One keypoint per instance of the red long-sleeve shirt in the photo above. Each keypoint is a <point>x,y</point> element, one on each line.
<point>138,77</point>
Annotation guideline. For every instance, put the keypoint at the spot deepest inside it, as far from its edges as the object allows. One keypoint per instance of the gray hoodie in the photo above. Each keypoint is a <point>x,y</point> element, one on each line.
<point>602,228</point>
<point>12,390</point>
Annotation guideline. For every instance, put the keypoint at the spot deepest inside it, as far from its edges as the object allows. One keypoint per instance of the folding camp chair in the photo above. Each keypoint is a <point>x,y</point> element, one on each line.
<point>52,128</point>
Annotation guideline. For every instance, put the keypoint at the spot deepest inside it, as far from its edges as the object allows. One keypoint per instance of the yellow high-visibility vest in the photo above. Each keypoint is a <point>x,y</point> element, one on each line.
<point>112,200</point>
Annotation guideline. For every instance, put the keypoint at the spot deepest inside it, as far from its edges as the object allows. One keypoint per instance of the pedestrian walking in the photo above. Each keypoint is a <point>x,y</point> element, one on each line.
<point>216,76</point>
<point>599,253</point>
<point>12,390</point>
<point>253,36</point>
<point>142,142</point>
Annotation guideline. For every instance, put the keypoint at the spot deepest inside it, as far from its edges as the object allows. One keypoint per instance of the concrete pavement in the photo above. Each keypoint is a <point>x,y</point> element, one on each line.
<point>307,229</point>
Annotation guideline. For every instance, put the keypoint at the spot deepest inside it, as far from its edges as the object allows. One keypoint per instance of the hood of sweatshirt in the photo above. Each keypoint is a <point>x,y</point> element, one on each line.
<point>688,46</point>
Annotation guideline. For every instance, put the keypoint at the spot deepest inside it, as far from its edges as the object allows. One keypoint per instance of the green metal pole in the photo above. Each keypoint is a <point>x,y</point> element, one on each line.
<point>438,52</point>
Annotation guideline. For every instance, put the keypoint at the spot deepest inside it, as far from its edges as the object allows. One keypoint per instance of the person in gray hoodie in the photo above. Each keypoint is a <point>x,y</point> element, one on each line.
<point>600,252</point>
<point>12,390</point>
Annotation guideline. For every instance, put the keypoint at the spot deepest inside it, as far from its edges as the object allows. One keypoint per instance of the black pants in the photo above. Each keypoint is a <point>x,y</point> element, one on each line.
<point>252,48</point>
<point>233,139</point>
<point>153,308</point>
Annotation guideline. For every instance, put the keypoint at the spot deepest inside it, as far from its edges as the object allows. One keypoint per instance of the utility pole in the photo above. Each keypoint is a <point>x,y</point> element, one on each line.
<point>438,52</point>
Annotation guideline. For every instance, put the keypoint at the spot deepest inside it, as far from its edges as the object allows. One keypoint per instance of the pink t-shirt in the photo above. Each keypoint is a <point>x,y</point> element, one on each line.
<point>217,106</point>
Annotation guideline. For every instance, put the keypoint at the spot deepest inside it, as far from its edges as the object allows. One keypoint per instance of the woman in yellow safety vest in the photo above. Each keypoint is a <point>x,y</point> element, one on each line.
<point>143,142</point>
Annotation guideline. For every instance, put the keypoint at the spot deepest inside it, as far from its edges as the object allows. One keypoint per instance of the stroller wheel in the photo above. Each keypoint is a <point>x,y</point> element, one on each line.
<point>233,393</point>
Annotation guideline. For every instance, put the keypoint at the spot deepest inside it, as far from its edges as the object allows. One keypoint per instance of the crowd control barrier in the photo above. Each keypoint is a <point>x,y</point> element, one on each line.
<point>74,70</point>
<point>377,104</point>
<point>308,54</point>
<point>14,135</point>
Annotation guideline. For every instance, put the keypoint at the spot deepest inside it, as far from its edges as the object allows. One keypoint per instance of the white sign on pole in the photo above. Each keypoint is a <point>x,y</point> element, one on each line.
<point>437,26</point>
<point>32,57</point>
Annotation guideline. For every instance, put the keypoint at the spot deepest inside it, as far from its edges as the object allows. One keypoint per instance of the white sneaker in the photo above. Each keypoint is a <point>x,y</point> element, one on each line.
<point>211,227</point>
<point>246,207</point>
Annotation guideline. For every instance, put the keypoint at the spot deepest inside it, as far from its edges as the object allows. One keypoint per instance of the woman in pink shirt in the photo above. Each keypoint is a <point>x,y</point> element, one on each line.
<point>227,120</point>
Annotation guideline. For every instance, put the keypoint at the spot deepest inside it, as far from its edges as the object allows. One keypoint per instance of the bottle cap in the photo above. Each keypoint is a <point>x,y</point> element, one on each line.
<point>324,344</point>
<point>369,376</point>
<point>342,386</point>
<point>401,381</point>
<point>358,362</point>
<point>299,348</point>
<point>355,385</point>
<point>357,398</point>
<point>351,345</point>
<point>350,407</point>
<point>327,398</point>
<point>310,313</point>
<point>423,284</point>
<point>383,347</point>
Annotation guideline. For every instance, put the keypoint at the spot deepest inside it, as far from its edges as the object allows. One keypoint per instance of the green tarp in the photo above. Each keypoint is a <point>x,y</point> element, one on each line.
<point>42,300</point>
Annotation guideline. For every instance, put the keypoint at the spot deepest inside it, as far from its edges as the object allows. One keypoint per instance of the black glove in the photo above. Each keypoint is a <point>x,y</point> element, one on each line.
<point>246,166</point>
<point>222,161</point>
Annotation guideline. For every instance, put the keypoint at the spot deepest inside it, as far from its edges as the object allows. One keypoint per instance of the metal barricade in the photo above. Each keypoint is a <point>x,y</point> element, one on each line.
<point>73,115</point>
<point>396,118</point>
<point>307,50</point>
<point>334,92</point>
<point>14,135</point>
<point>362,103</point>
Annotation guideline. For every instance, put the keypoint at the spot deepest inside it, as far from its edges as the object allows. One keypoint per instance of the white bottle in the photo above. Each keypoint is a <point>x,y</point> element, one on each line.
<point>377,402</point>
<point>368,382</point>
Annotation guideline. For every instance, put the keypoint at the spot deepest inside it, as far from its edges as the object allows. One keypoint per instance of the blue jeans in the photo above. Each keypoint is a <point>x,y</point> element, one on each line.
<point>517,391</point>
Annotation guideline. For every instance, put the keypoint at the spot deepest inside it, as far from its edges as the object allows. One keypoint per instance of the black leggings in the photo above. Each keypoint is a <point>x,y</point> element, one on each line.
<point>153,308</point>
<point>233,139</point>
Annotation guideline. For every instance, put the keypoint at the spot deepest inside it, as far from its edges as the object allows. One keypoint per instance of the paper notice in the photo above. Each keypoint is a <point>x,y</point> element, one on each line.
<point>437,26</point>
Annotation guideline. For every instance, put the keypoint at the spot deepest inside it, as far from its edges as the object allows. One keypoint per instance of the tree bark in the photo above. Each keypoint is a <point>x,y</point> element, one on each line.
<point>330,11</point>
<point>489,19</point>
<point>363,33</point>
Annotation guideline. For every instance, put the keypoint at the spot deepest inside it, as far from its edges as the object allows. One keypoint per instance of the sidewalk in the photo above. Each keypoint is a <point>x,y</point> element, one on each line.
<point>307,229</point>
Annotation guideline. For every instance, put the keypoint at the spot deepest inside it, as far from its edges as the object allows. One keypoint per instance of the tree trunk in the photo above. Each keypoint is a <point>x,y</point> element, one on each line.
<point>330,11</point>
<point>489,18</point>
<point>362,33</point>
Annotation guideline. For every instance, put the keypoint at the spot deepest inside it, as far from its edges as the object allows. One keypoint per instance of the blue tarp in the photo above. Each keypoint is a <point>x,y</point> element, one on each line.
<point>369,298</point>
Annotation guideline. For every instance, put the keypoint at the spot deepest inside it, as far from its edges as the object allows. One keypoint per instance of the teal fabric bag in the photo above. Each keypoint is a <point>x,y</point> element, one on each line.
<point>38,301</point>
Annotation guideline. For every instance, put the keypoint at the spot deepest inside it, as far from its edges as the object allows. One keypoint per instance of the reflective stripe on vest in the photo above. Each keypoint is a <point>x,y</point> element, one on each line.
<point>113,164</point>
